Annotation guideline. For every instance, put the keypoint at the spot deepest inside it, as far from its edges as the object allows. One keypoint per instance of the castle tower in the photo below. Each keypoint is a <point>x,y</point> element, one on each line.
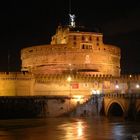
<point>73,49</point>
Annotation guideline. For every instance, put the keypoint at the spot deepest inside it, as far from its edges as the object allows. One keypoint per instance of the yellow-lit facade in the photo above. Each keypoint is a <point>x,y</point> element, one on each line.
<point>76,63</point>
<point>73,50</point>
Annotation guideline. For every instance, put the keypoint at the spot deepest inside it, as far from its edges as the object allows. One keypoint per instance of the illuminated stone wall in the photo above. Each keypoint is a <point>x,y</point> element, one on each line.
<point>25,84</point>
<point>16,84</point>
<point>72,51</point>
<point>84,85</point>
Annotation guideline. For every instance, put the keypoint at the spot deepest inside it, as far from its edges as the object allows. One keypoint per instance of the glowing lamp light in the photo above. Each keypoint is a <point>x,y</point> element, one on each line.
<point>78,97</point>
<point>79,129</point>
<point>137,86</point>
<point>95,92</point>
<point>69,79</point>
<point>130,75</point>
<point>117,86</point>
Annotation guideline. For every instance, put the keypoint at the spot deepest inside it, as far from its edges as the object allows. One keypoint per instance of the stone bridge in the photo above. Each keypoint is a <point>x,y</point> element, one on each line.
<point>127,105</point>
<point>124,105</point>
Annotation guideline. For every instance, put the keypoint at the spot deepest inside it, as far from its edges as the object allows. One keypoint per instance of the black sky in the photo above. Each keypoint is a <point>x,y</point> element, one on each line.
<point>26,23</point>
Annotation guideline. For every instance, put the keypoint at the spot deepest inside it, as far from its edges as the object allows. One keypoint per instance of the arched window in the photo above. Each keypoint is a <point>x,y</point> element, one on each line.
<point>90,38</point>
<point>83,38</point>
<point>74,43</point>
<point>74,37</point>
<point>97,38</point>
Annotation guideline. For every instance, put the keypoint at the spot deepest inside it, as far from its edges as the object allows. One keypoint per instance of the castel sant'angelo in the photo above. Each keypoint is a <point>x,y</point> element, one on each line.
<point>75,56</point>
<point>75,64</point>
<point>73,49</point>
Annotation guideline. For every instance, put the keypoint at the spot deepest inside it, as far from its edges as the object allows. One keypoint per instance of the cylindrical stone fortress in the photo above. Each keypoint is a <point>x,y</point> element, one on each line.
<point>72,50</point>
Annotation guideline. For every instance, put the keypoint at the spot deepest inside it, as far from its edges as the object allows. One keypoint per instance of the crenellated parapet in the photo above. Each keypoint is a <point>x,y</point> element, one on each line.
<point>16,76</point>
<point>85,78</point>
<point>16,84</point>
<point>74,77</point>
<point>91,83</point>
<point>63,77</point>
<point>22,83</point>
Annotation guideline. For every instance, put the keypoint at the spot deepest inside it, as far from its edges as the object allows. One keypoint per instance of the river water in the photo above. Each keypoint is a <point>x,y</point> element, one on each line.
<point>94,128</point>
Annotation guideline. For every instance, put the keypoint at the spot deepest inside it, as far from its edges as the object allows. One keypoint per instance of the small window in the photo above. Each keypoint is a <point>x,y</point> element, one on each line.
<point>86,46</point>
<point>97,38</point>
<point>83,38</point>
<point>90,38</point>
<point>97,44</point>
<point>74,37</point>
<point>74,43</point>
<point>30,50</point>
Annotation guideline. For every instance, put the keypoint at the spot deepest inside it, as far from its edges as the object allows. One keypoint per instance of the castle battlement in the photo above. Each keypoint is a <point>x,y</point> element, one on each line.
<point>87,78</point>
<point>22,83</point>
<point>16,76</point>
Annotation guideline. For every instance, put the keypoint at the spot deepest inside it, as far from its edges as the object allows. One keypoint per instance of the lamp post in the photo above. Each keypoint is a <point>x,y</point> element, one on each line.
<point>69,80</point>
<point>117,88</point>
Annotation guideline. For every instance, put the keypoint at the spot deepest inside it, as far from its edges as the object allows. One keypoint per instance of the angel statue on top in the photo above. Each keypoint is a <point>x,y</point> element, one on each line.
<point>72,20</point>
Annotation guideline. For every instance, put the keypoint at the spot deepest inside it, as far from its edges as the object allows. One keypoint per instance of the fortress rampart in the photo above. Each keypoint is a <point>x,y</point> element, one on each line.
<point>16,84</point>
<point>27,84</point>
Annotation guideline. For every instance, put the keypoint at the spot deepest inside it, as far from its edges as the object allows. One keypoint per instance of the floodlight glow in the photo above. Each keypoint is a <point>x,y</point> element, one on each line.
<point>137,86</point>
<point>69,79</point>
<point>117,86</point>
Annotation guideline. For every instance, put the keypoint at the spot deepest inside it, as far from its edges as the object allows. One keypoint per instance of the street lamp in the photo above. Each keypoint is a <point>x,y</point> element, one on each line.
<point>117,88</point>
<point>69,79</point>
<point>137,86</point>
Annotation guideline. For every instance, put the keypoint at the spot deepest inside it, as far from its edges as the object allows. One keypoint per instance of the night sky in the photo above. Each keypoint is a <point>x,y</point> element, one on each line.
<point>27,23</point>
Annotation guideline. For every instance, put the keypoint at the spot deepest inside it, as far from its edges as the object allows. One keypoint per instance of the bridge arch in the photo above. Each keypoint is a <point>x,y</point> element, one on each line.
<point>138,108</point>
<point>113,106</point>
<point>138,112</point>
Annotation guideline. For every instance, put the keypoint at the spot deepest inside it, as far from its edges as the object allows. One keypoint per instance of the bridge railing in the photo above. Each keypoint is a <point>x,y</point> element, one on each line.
<point>120,95</point>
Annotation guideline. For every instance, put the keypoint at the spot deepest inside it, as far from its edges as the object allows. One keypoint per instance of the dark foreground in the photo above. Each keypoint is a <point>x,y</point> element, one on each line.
<point>94,128</point>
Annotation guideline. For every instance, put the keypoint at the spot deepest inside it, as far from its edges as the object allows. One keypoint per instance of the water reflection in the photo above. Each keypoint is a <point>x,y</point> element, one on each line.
<point>74,130</point>
<point>68,129</point>
<point>79,129</point>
